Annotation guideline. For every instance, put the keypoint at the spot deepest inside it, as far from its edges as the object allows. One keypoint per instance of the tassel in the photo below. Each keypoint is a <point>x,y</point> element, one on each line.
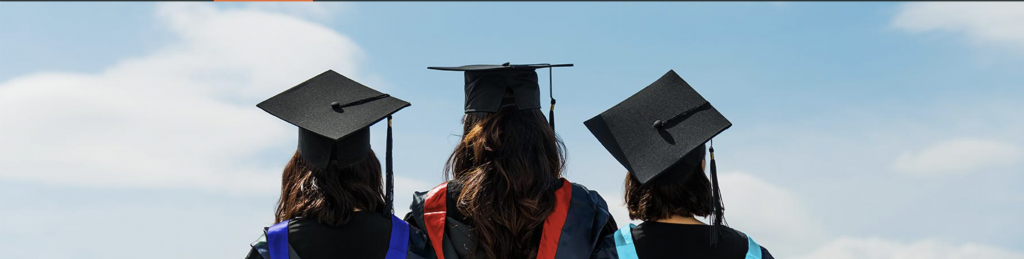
<point>717,208</point>
<point>551,114</point>
<point>551,94</point>
<point>390,192</point>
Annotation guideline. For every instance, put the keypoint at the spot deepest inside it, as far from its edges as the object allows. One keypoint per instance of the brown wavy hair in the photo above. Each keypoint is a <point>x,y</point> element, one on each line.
<point>329,195</point>
<point>688,195</point>
<point>509,164</point>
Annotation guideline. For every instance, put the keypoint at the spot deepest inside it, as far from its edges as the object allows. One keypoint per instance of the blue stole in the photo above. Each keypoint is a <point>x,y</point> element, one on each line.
<point>624,243</point>
<point>626,250</point>
<point>398,246</point>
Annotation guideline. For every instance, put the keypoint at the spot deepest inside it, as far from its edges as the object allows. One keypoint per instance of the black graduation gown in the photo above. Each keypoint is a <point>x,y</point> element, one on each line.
<point>586,221</point>
<point>655,240</point>
<point>366,235</point>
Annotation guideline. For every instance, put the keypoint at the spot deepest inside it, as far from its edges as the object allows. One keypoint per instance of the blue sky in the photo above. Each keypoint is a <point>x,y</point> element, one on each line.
<point>861,130</point>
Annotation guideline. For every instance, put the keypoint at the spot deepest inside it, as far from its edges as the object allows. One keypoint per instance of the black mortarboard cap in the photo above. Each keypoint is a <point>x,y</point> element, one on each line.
<point>664,124</point>
<point>486,86</point>
<point>334,115</point>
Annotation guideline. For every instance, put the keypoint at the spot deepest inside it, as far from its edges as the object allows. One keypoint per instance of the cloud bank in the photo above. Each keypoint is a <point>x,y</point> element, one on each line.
<point>878,248</point>
<point>959,156</point>
<point>989,23</point>
<point>183,116</point>
<point>767,211</point>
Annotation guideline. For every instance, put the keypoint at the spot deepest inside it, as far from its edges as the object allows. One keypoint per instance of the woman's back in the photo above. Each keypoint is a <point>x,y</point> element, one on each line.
<point>366,235</point>
<point>681,241</point>
<point>573,231</point>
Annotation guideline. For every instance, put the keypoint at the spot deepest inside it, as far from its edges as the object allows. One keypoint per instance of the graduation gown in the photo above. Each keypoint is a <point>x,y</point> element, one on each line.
<point>573,230</point>
<point>656,240</point>
<point>366,235</point>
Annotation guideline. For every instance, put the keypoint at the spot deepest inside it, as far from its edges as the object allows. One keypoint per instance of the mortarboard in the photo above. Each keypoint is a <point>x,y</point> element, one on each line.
<point>663,125</point>
<point>658,127</point>
<point>334,115</point>
<point>486,86</point>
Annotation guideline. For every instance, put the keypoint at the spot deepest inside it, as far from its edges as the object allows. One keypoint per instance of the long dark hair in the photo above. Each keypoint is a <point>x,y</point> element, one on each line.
<point>508,163</point>
<point>329,195</point>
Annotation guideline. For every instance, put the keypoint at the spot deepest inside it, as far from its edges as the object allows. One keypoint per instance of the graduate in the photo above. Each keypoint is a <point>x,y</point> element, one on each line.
<point>660,135</point>
<point>333,203</point>
<point>506,197</point>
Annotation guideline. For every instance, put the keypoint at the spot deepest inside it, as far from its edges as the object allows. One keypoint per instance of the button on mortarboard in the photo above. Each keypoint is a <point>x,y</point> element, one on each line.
<point>333,113</point>
<point>658,127</point>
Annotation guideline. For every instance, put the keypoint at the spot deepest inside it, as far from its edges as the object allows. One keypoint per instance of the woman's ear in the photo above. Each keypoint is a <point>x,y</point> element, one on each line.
<point>702,165</point>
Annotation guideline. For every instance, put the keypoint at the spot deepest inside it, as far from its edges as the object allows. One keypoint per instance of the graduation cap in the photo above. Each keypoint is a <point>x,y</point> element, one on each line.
<point>486,86</point>
<point>334,115</point>
<point>662,126</point>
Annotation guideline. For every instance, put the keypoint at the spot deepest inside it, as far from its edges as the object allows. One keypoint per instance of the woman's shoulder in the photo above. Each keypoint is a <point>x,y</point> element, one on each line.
<point>259,248</point>
<point>416,207</point>
<point>579,191</point>
<point>582,193</point>
<point>587,206</point>
<point>420,197</point>
<point>754,248</point>
<point>419,200</point>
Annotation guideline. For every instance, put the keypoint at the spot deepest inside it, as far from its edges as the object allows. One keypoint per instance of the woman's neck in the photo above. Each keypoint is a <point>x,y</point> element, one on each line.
<point>676,219</point>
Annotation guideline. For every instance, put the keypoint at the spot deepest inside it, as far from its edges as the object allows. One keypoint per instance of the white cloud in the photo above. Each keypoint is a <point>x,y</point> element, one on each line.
<point>958,156</point>
<point>181,117</point>
<point>878,248</point>
<point>990,23</point>
<point>201,227</point>
<point>314,10</point>
<point>768,213</point>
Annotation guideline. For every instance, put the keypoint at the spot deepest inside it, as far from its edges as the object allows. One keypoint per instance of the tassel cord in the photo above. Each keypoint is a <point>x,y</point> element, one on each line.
<point>551,94</point>
<point>717,208</point>
<point>390,184</point>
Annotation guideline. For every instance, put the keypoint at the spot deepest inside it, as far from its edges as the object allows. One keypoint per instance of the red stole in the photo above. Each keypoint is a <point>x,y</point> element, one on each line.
<point>435,211</point>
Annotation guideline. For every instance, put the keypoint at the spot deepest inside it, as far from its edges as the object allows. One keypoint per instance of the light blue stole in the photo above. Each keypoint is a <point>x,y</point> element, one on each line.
<point>626,250</point>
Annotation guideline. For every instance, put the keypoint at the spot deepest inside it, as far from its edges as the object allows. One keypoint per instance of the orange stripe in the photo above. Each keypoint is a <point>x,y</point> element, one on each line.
<point>555,221</point>
<point>263,0</point>
<point>435,210</point>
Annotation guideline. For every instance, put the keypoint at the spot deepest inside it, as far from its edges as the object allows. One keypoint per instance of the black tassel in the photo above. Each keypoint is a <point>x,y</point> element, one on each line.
<point>551,114</point>
<point>717,208</point>
<point>390,192</point>
<point>551,94</point>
